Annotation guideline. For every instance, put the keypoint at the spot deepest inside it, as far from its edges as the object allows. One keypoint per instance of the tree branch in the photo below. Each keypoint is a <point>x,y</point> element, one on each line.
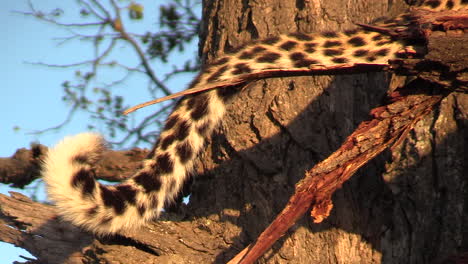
<point>24,166</point>
<point>118,26</point>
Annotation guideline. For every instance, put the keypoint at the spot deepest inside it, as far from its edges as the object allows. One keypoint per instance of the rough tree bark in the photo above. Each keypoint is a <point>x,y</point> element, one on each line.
<point>409,205</point>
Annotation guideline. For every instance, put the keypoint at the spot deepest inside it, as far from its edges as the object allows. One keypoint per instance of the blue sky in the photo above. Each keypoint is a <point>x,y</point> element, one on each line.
<point>31,94</point>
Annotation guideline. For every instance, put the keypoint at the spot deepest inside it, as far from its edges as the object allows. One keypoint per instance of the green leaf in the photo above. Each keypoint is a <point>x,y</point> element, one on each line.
<point>135,11</point>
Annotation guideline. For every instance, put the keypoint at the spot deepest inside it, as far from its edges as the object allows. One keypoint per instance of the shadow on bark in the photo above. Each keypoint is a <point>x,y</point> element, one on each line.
<point>231,211</point>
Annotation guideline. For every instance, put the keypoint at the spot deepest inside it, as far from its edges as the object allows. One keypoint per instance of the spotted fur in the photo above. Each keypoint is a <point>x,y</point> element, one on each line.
<point>68,167</point>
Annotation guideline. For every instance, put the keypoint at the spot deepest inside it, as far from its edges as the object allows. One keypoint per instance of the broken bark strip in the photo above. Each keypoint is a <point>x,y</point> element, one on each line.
<point>390,124</point>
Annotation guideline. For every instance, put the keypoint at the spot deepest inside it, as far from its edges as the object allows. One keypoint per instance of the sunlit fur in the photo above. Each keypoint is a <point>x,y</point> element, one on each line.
<point>68,167</point>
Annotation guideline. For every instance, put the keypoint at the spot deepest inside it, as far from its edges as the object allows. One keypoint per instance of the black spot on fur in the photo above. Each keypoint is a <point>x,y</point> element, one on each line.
<point>377,37</point>
<point>310,47</point>
<point>221,61</point>
<point>203,130</point>
<point>150,182</point>
<point>171,121</point>
<point>91,212</point>
<point>449,5</point>
<point>184,151</point>
<point>182,130</point>
<point>128,193</point>
<point>329,34</point>
<point>167,141</point>
<point>297,56</point>
<point>112,199</point>
<point>246,55</point>
<point>141,209</point>
<point>105,220</point>
<point>371,58</point>
<point>84,179</point>
<point>357,41</point>
<point>332,52</point>
<point>301,36</point>
<point>270,40</point>
<point>269,57</point>
<point>258,49</point>
<point>306,63</point>
<point>340,60</point>
<point>351,32</point>
<point>360,53</point>
<point>381,43</point>
<point>432,3</point>
<point>331,43</point>
<point>192,100</point>
<point>300,60</point>
<point>217,73</point>
<point>382,52</point>
<point>164,163</point>
<point>80,159</point>
<point>199,106</point>
<point>241,68</point>
<point>288,45</point>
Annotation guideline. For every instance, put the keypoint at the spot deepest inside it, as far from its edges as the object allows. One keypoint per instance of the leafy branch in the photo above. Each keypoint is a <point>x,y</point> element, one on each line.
<point>103,25</point>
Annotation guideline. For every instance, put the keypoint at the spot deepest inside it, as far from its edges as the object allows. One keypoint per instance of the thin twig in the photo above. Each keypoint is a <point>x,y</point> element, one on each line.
<point>270,73</point>
<point>57,127</point>
<point>118,26</point>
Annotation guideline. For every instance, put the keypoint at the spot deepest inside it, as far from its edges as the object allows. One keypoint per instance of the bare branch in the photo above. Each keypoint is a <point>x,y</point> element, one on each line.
<point>55,22</point>
<point>42,16</point>
<point>76,35</point>
<point>59,126</point>
<point>94,12</point>
<point>102,8</point>
<point>117,25</point>
<point>100,15</point>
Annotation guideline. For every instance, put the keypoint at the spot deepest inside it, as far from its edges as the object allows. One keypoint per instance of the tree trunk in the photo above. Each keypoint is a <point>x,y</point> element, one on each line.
<point>395,210</point>
<point>409,205</point>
